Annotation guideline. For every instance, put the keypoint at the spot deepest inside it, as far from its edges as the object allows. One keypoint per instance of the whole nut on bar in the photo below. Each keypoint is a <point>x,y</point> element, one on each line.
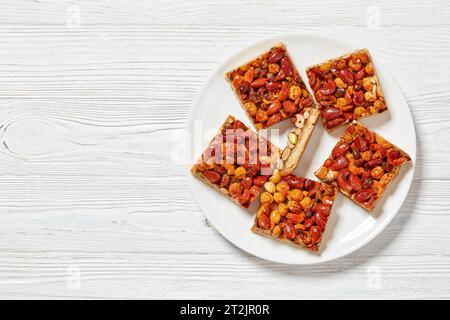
<point>322,172</point>
<point>270,187</point>
<point>331,175</point>
<point>264,159</point>
<point>305,115</point>
<point>285,154</point>
<point>280,164</point>
<point>292,138</point>
<point>299,121</point>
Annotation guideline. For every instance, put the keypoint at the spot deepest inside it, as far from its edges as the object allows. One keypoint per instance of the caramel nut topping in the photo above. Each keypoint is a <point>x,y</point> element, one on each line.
<point>362,164</point>
<point>270,88</point>
<point>237,162</point>
<point>346,88</point>
<point>297,210</point>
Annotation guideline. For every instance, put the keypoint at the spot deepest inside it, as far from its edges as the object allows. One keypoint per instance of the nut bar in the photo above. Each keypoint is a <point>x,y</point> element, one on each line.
<point>294,210</point>
<point>237,162</point>
<point>304,123</point>
<point>362,164</point>
<point>346,88</point>
<point>270,88</point>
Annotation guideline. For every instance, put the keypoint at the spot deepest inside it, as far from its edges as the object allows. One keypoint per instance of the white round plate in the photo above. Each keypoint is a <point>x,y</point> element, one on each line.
<point>349,226</point>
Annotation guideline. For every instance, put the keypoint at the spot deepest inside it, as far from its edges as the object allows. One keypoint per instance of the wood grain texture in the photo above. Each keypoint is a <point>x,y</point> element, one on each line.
<point>86,111</point>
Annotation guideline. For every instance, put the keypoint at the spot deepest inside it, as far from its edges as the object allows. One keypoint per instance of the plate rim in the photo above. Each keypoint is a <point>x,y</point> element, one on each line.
<point>277,39</point>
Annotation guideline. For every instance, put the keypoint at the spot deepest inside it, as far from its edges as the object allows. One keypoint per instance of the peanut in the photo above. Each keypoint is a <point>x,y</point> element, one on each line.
<point>240,172</point>
<point>269,186</point>
<point>278,197</point>
<point>251,108</point>
<point>295,92</point>
<point>292,137</point>
<point>276,231</point>
<point>306,202</point>
<point>276,176</point>
<point>266,197</point>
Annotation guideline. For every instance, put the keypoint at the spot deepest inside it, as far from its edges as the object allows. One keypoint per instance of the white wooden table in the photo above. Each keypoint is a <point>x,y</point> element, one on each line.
<point>91,94</point>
